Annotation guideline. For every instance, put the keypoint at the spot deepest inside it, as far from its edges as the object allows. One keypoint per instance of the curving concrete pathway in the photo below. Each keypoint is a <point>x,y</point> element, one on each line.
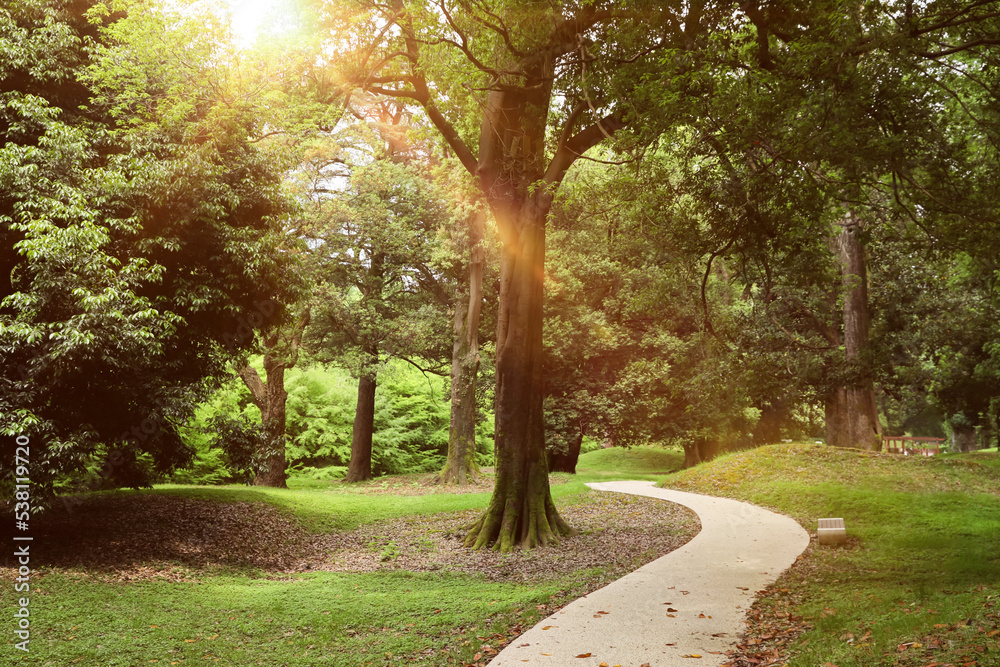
<point>691,602</point>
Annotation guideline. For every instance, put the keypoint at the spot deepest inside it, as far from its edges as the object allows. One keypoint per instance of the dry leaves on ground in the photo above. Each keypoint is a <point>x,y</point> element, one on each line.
<point>143,536</point>
<point>772,625</point>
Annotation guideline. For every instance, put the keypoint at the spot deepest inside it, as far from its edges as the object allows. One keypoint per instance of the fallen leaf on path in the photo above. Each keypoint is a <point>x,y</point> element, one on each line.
<point>691,655</point>
<point>584,655</point>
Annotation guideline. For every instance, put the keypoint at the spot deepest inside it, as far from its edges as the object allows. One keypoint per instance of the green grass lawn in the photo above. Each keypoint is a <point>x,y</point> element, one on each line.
<point>322,618</point>
<point>917,585</point>
<point>646,463</point>
<point>232,616</point>
<point>918,582</point>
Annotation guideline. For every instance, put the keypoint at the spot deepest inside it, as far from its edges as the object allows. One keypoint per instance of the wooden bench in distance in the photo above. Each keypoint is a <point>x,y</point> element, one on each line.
<point>831,531</point>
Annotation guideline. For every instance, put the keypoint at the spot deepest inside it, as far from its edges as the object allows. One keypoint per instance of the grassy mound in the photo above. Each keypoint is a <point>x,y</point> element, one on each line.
<point>919,580</point>
<point>633,463</point>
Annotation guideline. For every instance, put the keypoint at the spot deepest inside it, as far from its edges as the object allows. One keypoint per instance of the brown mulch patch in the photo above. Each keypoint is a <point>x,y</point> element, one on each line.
<point>139,536</point>
<point>619,532</point>
<point>772,623</point>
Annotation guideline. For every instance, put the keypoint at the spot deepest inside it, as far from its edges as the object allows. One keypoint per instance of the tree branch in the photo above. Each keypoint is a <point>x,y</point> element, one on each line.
<point>579,144</point>
<point>258,390</point>
<point>960,48</point>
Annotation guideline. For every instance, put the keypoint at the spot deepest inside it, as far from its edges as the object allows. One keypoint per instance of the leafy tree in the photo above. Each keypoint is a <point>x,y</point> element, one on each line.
<point>138,232</point>
<point>524,107</point>
<point>371,226</point>
<point>811,128</point>
<point>410,432</point>
<point>321,403</point>
<point>933,342</point>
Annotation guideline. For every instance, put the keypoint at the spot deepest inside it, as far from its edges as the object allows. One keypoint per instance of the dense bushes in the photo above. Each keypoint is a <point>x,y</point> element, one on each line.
<point>412,414</point>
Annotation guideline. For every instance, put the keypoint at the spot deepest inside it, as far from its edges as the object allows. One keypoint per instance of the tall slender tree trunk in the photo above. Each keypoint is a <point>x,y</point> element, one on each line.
<point>460,465</point>
<point>858,423</point>
<point>360,467</point>
<point>521,511</point>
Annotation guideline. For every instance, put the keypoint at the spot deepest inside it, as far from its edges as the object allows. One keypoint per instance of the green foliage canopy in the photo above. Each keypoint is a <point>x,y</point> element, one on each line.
<point>139,232</point>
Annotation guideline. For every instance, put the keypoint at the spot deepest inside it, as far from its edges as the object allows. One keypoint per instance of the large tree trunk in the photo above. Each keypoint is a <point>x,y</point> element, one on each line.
<point>860,426</point>
<point>835,407</point>
<point>521,511</point>
<point>699,452</point>
<point>460,466</point>
<point>519,181</point>
<point>360,467</point>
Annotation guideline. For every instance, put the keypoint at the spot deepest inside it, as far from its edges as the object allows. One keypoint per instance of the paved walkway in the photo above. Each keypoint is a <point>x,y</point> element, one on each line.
<point>691,602</point>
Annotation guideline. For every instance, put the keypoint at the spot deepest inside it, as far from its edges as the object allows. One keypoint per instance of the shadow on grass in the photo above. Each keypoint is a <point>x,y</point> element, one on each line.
<point>129,531</point>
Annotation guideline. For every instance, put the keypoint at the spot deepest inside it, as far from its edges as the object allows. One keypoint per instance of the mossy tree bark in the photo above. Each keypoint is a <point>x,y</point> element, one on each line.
<point>852,412</point>
<point>519,187</point>
<point>521,512</point>
<point>460,465</point>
